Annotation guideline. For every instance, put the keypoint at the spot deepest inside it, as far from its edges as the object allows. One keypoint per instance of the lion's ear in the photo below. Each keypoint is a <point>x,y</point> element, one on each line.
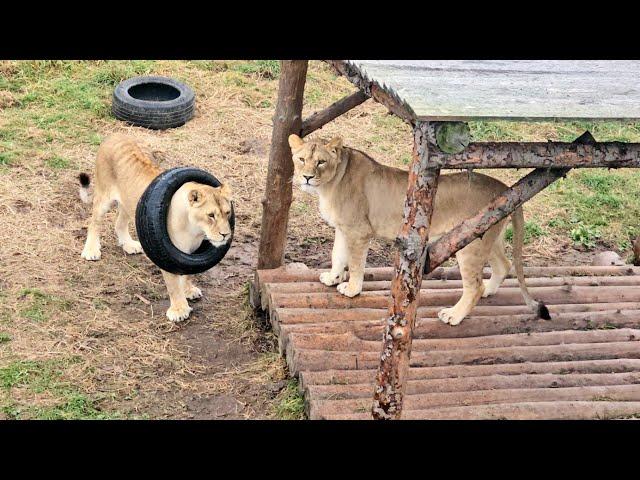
<point>225,191</point>
<point>195,197</point>
<point>295,142</point>
<point>334,145</point>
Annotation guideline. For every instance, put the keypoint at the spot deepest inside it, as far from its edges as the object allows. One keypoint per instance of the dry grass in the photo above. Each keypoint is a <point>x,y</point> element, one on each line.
<point>93,335</point>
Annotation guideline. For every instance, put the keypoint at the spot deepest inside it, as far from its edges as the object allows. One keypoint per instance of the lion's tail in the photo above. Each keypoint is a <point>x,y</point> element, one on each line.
<point>86,195</point>
<point>518,239</point>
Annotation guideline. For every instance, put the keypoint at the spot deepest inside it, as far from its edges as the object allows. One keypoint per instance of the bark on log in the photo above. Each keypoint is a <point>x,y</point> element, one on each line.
<point>319,119</point>
<point>444,298</point>
<point>277,197</point>
<point>519,411</point>
<point>636,251</point>
<point>541,155</point>
<point>455,376</point>
<point>317,360</point>
<point>288,274</point>
<point>375,91</point>
<point>405,287</point>
<point>504,205</point>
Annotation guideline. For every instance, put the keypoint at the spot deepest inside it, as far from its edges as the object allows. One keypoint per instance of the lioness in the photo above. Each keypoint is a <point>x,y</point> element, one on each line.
<point>123,172</point>
<point>363,199</point>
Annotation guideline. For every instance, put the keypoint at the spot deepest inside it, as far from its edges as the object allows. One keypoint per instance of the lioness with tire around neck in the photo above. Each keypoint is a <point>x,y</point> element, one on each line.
<point>363,199</point>
<point>123,170</point>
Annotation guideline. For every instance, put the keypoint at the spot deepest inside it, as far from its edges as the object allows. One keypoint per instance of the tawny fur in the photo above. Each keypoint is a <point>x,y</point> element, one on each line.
<point>123,171</point>
<point>363,199</point>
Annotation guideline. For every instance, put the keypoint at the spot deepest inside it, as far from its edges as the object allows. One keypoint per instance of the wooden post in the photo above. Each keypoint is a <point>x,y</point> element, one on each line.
<point>277,193</point>
<point>405,286</point>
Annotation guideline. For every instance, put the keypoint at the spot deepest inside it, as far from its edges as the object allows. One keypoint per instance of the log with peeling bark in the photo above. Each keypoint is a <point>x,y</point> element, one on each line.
<point>375,91</point>
<point>321,118</point>
<point>405,287</point>
<point>541,155</point>
<point>277,195</point>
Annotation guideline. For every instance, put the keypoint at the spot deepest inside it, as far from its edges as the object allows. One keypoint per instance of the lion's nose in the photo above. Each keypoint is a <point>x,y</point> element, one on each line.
<point>308,177</point>
<point>224,235</point>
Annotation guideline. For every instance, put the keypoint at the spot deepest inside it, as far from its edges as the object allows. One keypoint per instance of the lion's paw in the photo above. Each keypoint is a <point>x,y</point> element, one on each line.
<point>178,314</point>
<point>450,316</point>
<point>91,253</point>
<point>349,290</point>
<point>132,247</point>
<point>331,279</point>
<point>193,293</point>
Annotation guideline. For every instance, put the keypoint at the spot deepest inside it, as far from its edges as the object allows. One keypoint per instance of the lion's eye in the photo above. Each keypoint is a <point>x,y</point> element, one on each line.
<point>212,215</point>
<point>322,162</point>
<point>301,159</point>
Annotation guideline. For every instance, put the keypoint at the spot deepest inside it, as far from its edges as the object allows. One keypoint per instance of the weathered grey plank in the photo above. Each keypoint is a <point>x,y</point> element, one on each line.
<point>463,90</point>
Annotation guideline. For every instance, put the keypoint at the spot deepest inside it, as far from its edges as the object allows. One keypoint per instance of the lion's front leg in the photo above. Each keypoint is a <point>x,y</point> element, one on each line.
<point>179,309</point>
<point>339,260</point>
<point>358,249</point>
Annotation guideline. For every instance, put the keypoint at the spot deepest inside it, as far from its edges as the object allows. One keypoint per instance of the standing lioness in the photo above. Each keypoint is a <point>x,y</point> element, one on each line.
<point>197,211</point>
<point>363,199</point>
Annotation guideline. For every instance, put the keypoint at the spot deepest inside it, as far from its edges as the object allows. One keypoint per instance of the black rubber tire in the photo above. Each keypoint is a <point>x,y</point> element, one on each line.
<point>151,224</point>
<point>157,115</point>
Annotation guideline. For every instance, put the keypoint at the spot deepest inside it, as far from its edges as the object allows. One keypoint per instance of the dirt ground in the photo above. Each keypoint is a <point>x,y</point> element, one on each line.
<point>90,339</point>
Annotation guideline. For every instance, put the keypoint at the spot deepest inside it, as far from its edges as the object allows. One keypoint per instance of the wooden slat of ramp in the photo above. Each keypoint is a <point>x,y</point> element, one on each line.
<point>501,362</point>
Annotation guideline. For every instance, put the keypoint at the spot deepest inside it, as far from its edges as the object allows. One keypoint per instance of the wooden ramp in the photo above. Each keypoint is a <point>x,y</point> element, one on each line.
<point>500,363</point>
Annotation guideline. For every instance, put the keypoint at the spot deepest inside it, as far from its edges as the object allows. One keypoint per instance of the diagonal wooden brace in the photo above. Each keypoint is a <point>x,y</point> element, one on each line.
<point>321,118</point>
<point>504,205</point>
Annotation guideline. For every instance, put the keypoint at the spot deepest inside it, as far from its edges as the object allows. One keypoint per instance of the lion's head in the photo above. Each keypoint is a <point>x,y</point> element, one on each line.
<point>209,210</point>
<point>315,163</point>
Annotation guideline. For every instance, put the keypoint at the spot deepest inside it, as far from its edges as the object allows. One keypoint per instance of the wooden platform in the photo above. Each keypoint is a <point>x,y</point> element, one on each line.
<point>500,363</point>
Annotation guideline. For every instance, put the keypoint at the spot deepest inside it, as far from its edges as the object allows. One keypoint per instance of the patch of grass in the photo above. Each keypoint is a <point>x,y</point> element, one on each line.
<point>585,235</point>
<point>531,230</point>
<point>6,158</point>
<point>57,163</point>
<point>267,69</point>
<point>46,376</point>
<point>289,404</point>
<point>4,337</point>
<point>41,304</point>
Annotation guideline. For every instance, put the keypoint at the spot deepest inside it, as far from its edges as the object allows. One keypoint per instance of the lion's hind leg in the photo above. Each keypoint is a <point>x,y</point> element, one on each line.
<point>128,244</point>
<point>500,266</point>
<point>471,260</point>
<point>101,205</point>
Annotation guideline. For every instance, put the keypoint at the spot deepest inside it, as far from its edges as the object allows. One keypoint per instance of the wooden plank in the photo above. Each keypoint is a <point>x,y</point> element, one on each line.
<point>558,410</point>
<point>507,89</point>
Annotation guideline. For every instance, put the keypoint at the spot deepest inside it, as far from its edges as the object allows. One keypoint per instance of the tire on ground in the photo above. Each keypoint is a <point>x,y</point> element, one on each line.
<point>154,114</point>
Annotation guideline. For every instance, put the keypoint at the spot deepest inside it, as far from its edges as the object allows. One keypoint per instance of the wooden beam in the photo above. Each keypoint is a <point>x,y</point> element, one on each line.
<point>405,286</point>
<point>373,90</point>
<point>541,155</point>
<point>321,118</point>
<point>277,196</point>
<point>504,205</point>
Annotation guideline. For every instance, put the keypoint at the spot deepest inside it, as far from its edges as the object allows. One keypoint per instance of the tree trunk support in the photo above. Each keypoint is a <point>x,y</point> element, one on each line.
<point>277,195</point>
<point>405,286</point>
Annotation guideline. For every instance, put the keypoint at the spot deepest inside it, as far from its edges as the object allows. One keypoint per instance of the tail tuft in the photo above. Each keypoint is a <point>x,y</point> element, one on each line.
<point>85,193</point>
<point>85,180</point>
<point>543,311</point>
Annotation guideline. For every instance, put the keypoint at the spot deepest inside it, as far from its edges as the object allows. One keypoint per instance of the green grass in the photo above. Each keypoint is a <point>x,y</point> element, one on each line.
<point>531,230</point>
<point>267,69</point>
<point>47,376</point>
<point>290,404</point>
<point>4,337</point>
<point>41,305</point>
<point>57,163</point>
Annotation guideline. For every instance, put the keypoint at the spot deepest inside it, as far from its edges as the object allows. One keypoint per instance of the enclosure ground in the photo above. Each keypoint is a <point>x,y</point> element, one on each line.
<point>90,340</point>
